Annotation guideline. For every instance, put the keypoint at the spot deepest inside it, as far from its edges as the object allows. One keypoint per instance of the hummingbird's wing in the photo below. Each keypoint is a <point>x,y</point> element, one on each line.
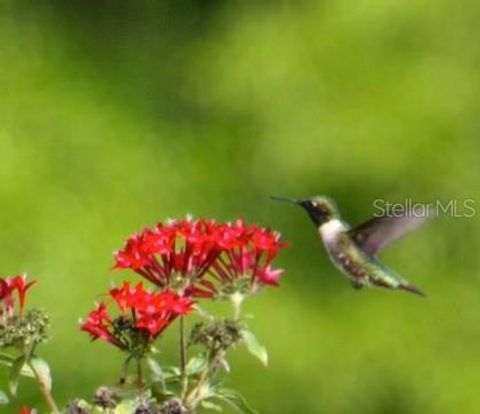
<point>376,233</point>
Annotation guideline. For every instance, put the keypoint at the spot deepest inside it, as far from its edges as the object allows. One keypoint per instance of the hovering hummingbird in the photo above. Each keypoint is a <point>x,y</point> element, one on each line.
<point>353,250</point>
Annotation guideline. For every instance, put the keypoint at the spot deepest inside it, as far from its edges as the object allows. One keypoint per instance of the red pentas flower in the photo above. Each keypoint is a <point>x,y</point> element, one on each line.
<point>182,248</point>
<point>10,285</point>
<point>247,265</point>
<point>143,315</point>
<point>203,258</point>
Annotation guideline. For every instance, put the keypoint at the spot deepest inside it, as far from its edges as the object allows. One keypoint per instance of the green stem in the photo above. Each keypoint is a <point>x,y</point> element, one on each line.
<point>139,375</point>
<point>45,391</point>
<point>126,364</point>
<point>191,399</point>
<point>183,358</point>
<point>236,299</point>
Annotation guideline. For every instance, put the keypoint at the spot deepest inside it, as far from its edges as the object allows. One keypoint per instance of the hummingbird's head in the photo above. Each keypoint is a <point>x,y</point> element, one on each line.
<point>320,208</point>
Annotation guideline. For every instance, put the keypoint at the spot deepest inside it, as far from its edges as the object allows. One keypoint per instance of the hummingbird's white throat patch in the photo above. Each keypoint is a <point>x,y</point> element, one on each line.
<point>331,229</point>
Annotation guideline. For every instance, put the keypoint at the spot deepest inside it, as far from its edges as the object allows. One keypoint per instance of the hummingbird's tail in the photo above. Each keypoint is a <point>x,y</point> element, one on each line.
<point>407,286</point>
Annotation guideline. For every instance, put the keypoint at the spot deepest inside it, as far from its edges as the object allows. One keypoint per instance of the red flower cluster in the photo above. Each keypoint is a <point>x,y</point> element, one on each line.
<point>196,256</point>
<point>7,287</point>
<point>142,311</point>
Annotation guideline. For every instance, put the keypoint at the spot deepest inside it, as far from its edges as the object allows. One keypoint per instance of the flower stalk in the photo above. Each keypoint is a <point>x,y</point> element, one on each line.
<point>194,397</point>
<point>183,359</point>
<point>44,389</point>
<point>236,299</point>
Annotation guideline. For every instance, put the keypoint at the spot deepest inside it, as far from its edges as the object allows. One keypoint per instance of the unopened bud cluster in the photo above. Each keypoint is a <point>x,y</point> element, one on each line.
<point>217,336</point>
<point>27,330</point>
<point>105,398</point>
<point>107,401</point>
<point>173,406</point>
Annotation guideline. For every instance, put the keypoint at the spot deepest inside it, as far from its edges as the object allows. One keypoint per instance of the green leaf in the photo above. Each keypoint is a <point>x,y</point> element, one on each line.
<point>254,347</point>
<point>6,359</point>
<point>160,391</point>
<point>236,400</point>
<point>14,374</point>
<point>172,372</point>
<point>197,364</point>
<point>125,407</point>
<point>211,406</point>
<point>26,371</point>
<point>81,406</point>
<point>3,398</point>
<point>157,371</point>
<point>42,369</point>
<point>224,364</point>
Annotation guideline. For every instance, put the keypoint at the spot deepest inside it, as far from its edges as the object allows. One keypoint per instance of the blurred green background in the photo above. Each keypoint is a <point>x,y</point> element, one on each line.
<point>118,114</point>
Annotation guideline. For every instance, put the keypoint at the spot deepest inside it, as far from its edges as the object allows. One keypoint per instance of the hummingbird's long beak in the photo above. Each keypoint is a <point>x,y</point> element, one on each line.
<point>288,200</point>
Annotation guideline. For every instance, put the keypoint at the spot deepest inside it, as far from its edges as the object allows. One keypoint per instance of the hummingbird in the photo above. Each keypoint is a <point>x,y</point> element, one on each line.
<point>353,251</point>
